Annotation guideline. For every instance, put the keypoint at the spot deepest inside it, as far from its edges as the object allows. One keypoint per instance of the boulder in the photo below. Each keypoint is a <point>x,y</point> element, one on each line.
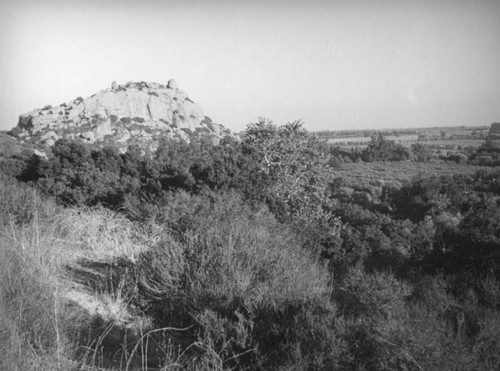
<point>40,154</point>
<point>50,135</point>
<point>172,84</point>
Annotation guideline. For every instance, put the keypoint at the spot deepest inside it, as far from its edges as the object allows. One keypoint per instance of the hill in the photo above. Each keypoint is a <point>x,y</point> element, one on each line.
<point>139,113</point>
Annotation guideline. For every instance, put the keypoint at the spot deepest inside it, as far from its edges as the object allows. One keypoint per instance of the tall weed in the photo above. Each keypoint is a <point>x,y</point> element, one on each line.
<point>42,308</point>
<point>33,322</point>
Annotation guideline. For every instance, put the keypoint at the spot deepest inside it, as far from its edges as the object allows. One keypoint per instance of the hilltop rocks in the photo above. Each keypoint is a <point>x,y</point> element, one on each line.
<point>134,113</point>
<point>493,138</point>
<point>172,84</point>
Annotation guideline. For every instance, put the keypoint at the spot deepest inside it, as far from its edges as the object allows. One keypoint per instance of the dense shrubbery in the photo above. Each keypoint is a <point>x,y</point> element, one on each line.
<point>242,281</point>
<point>486,155</point>
<point>381,149</point>
<point>245,255</point>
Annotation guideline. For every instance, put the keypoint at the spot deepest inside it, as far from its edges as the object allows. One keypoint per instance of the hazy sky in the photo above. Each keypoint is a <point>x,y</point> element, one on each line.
<point>334,64</point>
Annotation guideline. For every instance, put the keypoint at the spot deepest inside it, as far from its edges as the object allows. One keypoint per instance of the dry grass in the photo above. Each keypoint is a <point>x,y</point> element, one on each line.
<point>98,233</point>
<point>31,297</point>
<point>38,242</point>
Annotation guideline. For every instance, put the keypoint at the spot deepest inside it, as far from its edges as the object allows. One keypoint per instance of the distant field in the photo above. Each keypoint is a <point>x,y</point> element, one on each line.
<point>407,141</point>
<point>361,175</point>
<point>454,142</point>
<point>397,139</point>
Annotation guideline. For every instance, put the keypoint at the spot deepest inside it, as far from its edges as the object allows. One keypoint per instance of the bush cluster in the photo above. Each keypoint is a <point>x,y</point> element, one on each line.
<point>247,255</point>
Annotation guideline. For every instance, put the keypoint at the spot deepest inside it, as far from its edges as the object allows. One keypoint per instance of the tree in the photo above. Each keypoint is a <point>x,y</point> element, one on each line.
<point>289,154</point>
<point>420,152</point>
<point>299,174</point>
<point>381,149</point>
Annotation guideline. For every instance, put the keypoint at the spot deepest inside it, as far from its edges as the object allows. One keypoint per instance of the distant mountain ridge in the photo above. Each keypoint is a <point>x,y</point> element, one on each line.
<point>134,113</point>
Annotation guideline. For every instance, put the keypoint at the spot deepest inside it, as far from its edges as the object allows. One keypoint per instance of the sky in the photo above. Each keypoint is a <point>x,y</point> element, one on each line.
<point>335,65</point>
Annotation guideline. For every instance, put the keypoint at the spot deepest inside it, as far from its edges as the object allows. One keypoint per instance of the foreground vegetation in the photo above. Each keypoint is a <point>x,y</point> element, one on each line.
<point>258,255</point>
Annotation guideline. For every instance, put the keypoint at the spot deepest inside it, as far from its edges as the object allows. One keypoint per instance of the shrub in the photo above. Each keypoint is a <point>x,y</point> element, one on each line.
<point>374,315</point>
<point>239,279</point>
<point>486,349</point>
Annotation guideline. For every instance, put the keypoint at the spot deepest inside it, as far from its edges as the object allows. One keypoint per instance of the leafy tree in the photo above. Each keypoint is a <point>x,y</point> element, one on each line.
<point>430,196</point>
<point>299,174</point>
<point>420,152</point>
<point>289,155</point>
<point>381,149</point>
<point>474,246</point>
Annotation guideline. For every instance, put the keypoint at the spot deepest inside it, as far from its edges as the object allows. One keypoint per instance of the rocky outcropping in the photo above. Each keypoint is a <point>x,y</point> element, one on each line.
<point>133,113</point>
<point>493,138</point>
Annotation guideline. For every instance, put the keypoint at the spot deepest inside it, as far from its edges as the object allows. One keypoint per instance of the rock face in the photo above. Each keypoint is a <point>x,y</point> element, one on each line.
<point>493,138</point>
<point>134,113</point>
